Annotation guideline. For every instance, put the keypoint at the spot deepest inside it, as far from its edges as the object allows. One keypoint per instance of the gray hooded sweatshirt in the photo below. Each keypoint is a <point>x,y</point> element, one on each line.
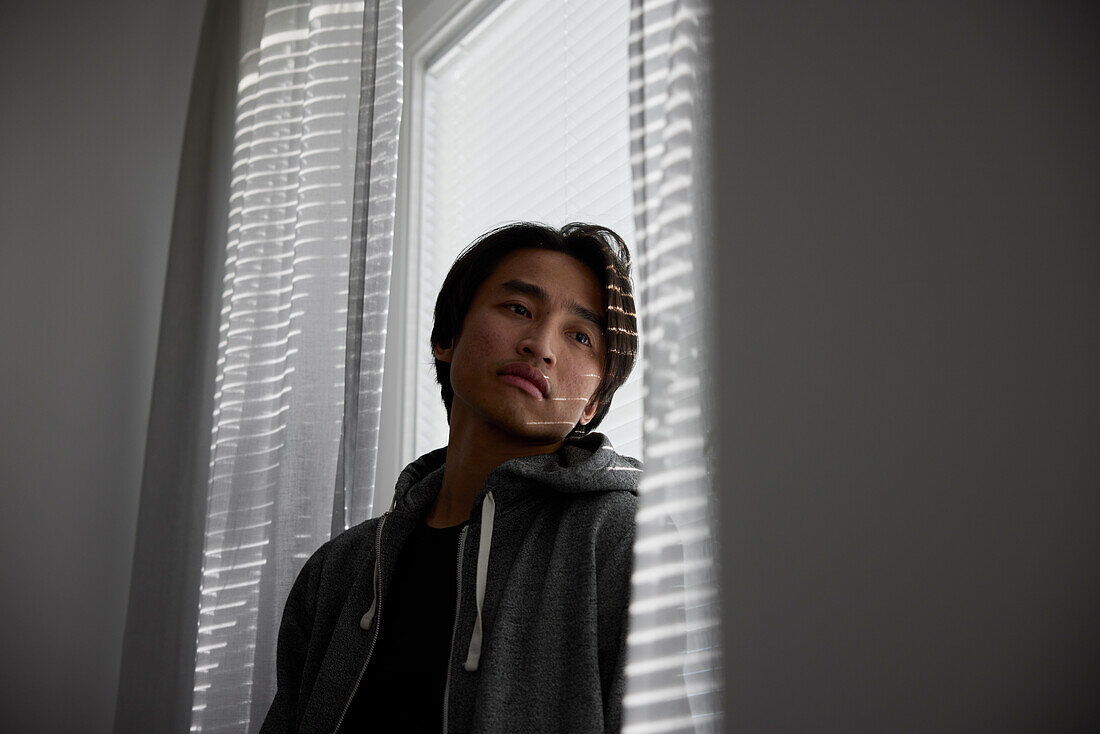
<point>539,638</point>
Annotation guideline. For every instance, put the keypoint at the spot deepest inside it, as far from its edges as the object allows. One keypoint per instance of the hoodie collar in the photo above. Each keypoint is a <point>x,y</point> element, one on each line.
<point>583,464</point>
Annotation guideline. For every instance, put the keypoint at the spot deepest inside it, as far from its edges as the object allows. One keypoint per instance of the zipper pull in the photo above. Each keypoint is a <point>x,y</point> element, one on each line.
<point>368,618</point>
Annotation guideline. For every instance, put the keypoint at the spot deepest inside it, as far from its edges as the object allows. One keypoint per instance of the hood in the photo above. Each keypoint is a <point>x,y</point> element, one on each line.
<point>583,464</point>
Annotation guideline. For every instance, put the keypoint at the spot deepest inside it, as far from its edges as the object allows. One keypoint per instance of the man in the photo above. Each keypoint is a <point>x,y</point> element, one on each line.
<point>493,596</point>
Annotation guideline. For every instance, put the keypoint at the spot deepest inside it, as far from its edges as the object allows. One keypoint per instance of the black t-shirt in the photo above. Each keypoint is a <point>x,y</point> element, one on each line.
<point>402,690</point>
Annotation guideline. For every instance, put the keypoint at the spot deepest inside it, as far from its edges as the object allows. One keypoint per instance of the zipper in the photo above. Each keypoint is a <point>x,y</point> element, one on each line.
<point>377,624</point>
<point>454,631</point>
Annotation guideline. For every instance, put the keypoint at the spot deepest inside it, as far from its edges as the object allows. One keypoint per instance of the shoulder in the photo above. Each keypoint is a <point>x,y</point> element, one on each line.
<point>344,553</point>
<point>354,537</point>
<point>605,507</point>
<point>604,519</point>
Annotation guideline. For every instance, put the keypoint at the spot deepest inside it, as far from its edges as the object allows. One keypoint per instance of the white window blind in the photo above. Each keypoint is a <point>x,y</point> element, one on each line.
<point>524,117</point>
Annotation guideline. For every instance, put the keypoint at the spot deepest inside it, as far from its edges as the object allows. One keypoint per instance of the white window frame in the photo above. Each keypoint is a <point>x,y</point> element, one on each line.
<point>431,28</point>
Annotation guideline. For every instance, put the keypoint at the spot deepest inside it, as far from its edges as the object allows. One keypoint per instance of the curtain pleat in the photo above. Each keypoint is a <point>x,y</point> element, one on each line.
<point>371,260</point>
<point>302,326</point>
<point>673,660</point>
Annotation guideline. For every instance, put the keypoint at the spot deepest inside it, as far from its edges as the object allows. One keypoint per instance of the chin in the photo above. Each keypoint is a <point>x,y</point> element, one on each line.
<point>519,426</point>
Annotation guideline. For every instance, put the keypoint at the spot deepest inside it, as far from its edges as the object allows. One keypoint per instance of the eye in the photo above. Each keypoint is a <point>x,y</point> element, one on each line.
<point>584,338</point>
<point>517,308</point>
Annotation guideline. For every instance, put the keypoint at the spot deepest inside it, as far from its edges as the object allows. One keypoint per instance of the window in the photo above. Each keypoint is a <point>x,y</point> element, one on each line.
<point>518,110</point>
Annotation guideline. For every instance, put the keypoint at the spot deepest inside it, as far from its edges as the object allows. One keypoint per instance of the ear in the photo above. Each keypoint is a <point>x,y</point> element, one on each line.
<point>589,411</point>
<point>443,355</point>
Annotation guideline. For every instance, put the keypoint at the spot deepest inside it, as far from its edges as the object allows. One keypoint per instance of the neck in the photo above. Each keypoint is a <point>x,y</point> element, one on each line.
<point>473,452</point>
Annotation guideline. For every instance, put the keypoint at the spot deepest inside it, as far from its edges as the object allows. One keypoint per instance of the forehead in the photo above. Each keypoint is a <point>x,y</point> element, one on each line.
<point>562,276</point>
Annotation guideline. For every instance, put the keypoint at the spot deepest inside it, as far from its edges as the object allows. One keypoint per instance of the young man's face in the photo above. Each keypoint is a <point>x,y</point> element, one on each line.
<point>529,357</point>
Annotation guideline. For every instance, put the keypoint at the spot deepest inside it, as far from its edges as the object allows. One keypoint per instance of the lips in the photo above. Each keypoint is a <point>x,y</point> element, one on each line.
<point>527,378</point>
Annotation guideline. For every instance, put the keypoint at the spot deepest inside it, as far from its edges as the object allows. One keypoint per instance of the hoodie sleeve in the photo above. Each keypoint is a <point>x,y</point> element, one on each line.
<point>294,635</point>
<point>614,600</point>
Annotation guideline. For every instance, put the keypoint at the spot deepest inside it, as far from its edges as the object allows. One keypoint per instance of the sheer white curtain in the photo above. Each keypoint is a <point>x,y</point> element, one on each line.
<point>673,660</point>
<point>302,325</point>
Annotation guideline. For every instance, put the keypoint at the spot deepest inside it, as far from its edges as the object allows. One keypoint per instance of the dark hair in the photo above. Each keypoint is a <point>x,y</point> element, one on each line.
<point>597,247</point>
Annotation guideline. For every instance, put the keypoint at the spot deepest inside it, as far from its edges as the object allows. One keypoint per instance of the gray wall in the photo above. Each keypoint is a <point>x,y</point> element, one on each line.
<point>909,344</point>
<point>94,97</point>
<point>910,243</point>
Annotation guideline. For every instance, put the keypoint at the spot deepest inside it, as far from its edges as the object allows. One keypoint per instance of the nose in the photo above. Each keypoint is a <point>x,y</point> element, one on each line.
<point>537,343</point>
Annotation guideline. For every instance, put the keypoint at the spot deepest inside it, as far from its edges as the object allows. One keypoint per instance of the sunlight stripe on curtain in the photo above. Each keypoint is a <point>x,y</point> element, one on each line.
<point>310,230</point>
<point>673,658</point>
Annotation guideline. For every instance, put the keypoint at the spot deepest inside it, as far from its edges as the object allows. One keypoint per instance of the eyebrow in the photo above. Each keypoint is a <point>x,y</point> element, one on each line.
<point>538,292</point>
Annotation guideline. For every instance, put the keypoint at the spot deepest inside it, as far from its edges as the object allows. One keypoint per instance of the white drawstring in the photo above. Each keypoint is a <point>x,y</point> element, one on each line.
<point>488,512</point>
